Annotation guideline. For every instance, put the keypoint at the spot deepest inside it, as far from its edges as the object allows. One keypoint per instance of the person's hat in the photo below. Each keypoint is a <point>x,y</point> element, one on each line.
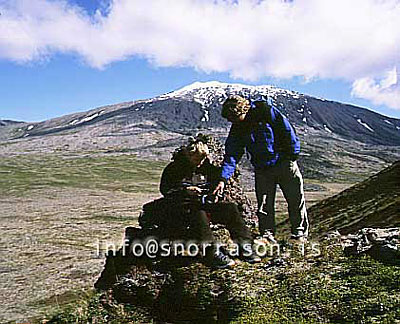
<point>235,106</point>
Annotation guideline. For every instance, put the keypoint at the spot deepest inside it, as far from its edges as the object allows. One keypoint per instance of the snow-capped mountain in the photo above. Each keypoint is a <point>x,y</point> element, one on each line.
<point>197,106</point>
<point>334,136</point>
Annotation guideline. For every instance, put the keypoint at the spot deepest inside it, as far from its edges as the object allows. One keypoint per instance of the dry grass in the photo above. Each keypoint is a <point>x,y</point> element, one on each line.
<point>53,213</point>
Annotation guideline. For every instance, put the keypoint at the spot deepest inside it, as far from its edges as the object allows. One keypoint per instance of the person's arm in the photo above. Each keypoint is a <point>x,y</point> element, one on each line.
<point>234,149</point>
<point>170,179</point>
<point>212,172</point>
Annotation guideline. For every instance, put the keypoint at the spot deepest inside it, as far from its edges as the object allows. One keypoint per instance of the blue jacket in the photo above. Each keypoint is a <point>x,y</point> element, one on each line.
<point>265,134</point>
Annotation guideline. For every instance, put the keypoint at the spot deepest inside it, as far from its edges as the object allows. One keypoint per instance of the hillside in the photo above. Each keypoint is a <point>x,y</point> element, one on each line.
<point>374,202</point>
<point>5,122</point>
<point>7,128</point>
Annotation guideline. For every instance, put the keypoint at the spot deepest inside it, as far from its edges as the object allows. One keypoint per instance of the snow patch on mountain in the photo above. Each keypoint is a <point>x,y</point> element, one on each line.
<point>206,116</point>
<point>208,93</point>
<point>365,125</point>
<point>86,119</point>
<point>327,129</point>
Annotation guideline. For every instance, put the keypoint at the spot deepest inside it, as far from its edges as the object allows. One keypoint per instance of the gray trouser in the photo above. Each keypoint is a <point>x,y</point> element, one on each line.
<point>287,175</point>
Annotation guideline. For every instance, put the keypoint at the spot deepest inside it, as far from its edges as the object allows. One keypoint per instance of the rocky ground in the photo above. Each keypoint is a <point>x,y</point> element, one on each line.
<point>328,281</point>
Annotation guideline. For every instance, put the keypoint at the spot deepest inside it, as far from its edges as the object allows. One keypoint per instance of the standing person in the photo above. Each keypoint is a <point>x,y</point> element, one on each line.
<point>269,138</point>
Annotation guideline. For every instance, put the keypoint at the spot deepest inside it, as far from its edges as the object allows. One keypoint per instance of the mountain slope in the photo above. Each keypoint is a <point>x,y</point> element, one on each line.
<point>197,106</point>
<point>7,128</point>
<point>374,202</point>
<point>5,122</point>
<point>339,141</point>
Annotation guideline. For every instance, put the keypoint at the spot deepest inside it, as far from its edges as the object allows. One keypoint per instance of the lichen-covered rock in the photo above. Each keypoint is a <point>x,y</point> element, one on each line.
<point>182,290</point>
<point>381,244</point>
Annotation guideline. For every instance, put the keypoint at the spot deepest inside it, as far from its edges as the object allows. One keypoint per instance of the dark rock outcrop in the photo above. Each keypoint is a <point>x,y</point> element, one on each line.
<point>380,244</point>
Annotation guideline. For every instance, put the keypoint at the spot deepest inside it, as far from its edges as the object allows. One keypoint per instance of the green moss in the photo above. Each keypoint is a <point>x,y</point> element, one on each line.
<point>334,290</point>
<point>98,308</point>
<point>329,288</point>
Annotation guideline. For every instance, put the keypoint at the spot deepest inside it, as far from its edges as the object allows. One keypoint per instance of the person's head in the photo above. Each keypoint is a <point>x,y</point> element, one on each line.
<point>196,153</point>
<point>235,108</point>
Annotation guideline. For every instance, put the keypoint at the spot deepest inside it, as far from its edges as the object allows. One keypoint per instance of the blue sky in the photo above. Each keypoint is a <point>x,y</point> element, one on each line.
<point>61,57</point>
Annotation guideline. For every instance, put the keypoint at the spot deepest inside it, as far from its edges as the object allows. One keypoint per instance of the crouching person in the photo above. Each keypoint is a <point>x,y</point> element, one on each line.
<point>185,183</point>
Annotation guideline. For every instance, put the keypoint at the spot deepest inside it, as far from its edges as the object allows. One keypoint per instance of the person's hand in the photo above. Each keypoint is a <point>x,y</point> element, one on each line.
<point>219,189</point>
<point>193,190</point>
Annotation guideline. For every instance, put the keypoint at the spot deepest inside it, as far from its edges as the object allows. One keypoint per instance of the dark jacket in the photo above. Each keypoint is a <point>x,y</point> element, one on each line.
<point>179,173</point>
<point>265,134</point>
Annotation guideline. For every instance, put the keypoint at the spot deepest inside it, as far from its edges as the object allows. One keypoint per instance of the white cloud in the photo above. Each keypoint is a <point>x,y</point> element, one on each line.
<point>382,92</point>
<point>337,39</point>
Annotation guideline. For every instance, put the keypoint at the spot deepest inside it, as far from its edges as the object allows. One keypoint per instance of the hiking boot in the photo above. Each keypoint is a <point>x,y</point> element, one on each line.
<point>221,261</point>
<point>298,238</point>
<point>248,254</point>
<point>251,258</point>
